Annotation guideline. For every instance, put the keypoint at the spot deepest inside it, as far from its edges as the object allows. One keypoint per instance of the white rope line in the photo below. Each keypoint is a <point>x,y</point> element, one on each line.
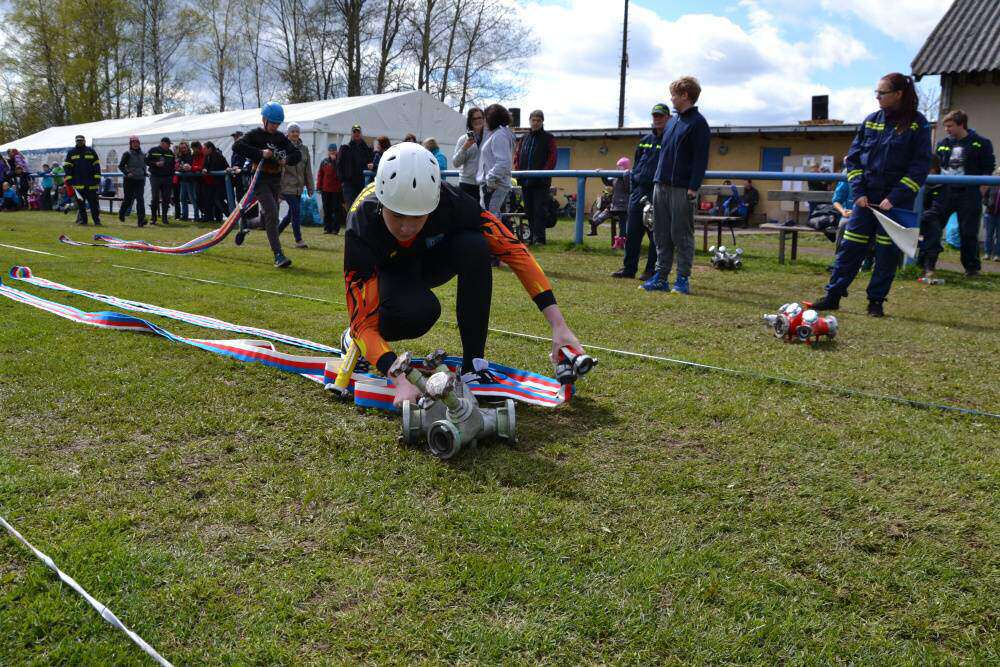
<point>105,613</point>
<point>37,252</point>
<point>216,282</point>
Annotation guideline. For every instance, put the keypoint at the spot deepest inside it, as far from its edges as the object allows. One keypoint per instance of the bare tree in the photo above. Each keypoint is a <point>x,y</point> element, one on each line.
<point>930,100</point>
<point>391,48</point>
<point>168,25</point>
<point>215,48</point>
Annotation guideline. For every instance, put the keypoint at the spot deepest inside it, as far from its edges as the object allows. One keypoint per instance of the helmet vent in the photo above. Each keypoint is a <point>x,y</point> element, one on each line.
<point>391,158</point>
<point>393,175</point>
<point>414,183</point>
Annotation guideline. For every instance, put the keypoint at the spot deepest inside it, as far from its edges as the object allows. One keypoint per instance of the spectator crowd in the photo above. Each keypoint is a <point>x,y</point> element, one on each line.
<point>663,175</point>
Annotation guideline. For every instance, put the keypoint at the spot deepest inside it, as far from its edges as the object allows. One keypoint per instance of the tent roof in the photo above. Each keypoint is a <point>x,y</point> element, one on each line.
<point>377,114</point>
<point>63,137</point>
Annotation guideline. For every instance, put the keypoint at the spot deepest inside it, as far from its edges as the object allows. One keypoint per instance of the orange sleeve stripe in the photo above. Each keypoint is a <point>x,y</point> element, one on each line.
<point>512,252</point>
<point>362,306</point>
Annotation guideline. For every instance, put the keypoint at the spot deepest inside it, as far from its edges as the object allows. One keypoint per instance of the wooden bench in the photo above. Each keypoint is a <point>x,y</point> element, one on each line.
<point>799,196</point>
<point>111,201</point>
<point>783,232</point>
<point>718,220</point>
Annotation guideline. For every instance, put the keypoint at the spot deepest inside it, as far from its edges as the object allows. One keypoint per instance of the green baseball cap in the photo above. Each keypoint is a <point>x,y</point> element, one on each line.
<point>660,108</point>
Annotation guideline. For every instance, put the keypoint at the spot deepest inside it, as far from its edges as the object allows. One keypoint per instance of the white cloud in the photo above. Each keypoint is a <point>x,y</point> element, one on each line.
<point>750,75</point>
<point>908,21</point>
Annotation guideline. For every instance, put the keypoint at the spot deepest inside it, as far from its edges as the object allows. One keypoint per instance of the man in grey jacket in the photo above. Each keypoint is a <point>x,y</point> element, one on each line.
<point>133,166</point>
<point>466,155</point>
<point>293,179</point>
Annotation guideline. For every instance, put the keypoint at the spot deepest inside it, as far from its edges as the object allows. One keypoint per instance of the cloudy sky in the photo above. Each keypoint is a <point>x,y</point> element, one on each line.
<point>759,61</point>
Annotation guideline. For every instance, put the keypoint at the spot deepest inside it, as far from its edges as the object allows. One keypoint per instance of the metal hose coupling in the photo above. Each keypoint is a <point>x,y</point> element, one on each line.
<point>465,422</point>
<point>571,365</point>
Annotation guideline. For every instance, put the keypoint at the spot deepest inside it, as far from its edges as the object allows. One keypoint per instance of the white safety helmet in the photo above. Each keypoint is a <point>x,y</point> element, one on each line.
<point>408,180</point>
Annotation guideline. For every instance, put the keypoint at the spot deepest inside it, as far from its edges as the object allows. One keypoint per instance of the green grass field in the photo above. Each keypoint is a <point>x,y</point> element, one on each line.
<point>233,514</point>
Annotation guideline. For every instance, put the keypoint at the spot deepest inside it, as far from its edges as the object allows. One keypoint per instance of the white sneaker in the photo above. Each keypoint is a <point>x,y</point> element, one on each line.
<point>301,244</point>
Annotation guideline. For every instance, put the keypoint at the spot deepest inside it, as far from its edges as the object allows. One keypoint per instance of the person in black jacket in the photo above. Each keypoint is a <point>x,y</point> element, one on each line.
<point>270,151</point>
<point>161,178</point>
<point>216,207</point>
<point>536,150</point>
<point>352,160</point>
<point>965,153</point>
<point>647,157</point>
<point>83,174</point>
<point>133,166</point>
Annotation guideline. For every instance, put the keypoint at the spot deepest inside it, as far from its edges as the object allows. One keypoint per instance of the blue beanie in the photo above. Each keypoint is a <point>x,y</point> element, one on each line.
<point>331,147</point>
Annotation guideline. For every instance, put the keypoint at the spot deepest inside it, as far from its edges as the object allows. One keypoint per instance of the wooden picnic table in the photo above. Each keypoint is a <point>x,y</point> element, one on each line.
<point>799,196</point>
<point>783,232</point>
<point>718,221</point>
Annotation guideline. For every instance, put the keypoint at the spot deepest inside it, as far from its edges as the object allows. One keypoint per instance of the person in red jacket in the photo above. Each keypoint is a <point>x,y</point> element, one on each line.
<point>330,189</point>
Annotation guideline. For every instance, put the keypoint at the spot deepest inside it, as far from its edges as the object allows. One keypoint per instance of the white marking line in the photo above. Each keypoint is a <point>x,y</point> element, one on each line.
<point>37,252</point>
<point>105,613</point>
<point>216,282</point>
<point>640,355</point>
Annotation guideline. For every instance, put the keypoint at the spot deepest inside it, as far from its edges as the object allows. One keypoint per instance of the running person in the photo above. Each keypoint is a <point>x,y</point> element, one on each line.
<point>408,232</point>
<point>886,166</point>
<point>272,150</point>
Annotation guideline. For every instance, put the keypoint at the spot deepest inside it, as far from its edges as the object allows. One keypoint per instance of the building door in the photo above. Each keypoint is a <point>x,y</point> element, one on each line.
<point>771,158</point>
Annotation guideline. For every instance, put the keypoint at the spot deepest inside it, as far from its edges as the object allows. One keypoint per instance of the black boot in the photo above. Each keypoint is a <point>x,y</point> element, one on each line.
<point>828,302</point>
<point>875,309</point>
<point>164,211</point>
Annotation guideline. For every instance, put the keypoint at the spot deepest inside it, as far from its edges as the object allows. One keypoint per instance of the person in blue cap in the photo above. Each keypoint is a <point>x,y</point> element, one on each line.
<point>886,167</point>
<point>270,151</point>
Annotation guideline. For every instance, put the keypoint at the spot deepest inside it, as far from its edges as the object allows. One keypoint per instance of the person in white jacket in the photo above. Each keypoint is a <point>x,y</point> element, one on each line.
<point>466,156</point>
<point>496,158</point>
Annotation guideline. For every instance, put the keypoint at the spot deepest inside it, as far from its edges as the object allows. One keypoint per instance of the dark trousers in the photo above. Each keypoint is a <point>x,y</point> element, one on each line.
<point>47,199</point>
<point>294,216</point>
<point>134,193</point>
<point>160,189</point>
<point>861,229</point>
<point>967,204</point>
<point>470,189</point>
<point>175,192</point>
<point>635,230</point>
<point>408,308</point>
<point>90,201</point>
<point>333,211</point>
<point>268,192</point>
<point>534,207</point>
<point>930,243</point>
<point>351,193</point>
<point>216,206</point>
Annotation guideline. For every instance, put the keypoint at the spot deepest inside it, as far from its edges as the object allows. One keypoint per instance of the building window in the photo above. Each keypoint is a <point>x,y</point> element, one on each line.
<point>562,158</point>
<point>771,158</point>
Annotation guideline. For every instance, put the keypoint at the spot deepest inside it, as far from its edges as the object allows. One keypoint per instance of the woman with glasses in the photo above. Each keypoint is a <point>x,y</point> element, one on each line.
<point>886,167</point>
<point>466,155</point>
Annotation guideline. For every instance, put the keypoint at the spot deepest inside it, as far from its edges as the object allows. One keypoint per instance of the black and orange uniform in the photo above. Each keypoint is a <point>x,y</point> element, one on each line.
<point>83,173</point>
<point>389,284</point>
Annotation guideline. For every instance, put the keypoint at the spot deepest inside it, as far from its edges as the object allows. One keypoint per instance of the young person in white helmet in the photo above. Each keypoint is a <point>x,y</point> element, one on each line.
<point>408,232</point>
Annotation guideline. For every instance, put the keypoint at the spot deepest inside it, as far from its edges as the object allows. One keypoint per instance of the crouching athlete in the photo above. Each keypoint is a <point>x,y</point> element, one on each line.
<point>408,232</point>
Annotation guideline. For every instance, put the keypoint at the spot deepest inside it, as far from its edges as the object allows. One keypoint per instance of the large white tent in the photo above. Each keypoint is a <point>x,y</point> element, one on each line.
<point>50,145</point>
<point>323,122</point>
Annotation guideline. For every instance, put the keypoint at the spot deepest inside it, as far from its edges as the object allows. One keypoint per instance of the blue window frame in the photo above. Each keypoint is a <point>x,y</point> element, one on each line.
<point>770,158</point>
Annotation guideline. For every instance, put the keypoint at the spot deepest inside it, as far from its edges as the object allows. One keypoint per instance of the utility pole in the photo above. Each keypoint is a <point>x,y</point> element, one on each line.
<point>621,92</point>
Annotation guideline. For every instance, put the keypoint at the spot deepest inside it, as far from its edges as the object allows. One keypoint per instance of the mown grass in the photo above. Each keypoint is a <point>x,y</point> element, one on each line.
<point>232,514</point>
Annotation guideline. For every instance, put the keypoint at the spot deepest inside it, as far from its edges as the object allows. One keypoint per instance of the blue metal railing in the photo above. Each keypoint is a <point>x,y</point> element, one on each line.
<point>581,176</point>
<point>230,190</point>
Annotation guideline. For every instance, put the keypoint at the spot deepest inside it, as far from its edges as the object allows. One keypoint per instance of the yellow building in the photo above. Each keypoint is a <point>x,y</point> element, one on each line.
<point>733,149</point>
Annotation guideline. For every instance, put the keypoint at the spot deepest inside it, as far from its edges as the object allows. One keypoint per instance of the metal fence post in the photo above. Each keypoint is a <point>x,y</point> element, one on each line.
<point>230,192</point>
<point>581,196</point>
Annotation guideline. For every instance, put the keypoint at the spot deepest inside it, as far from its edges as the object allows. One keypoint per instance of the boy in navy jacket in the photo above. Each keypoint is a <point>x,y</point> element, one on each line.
<point>683,161</point>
